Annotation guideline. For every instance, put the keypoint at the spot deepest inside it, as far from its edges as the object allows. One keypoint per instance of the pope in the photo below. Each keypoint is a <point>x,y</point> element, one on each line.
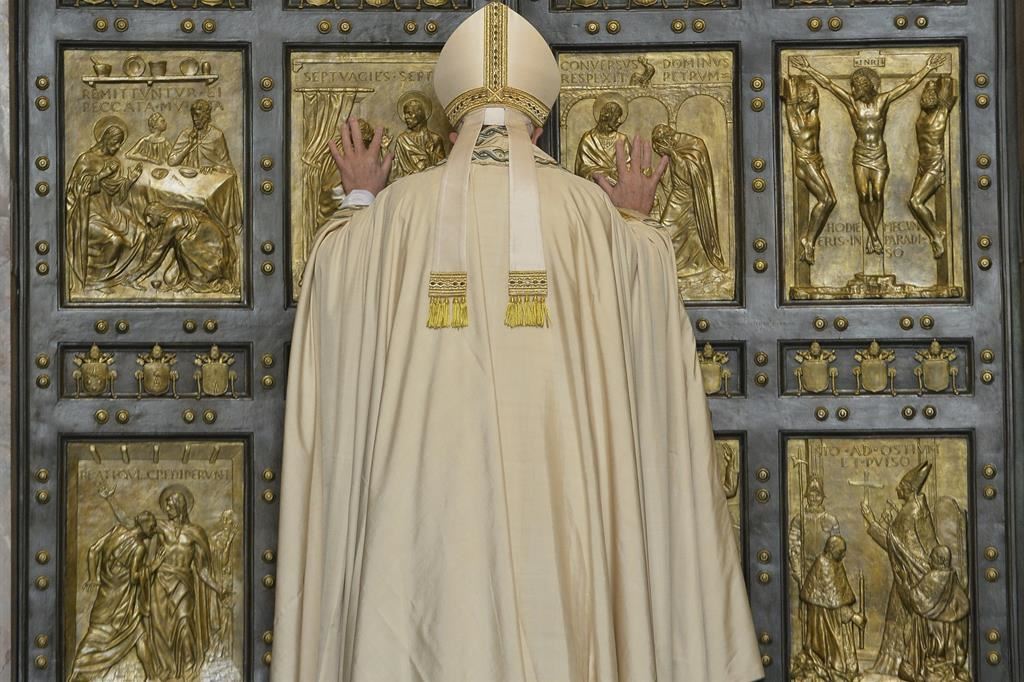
<point>498,457</point>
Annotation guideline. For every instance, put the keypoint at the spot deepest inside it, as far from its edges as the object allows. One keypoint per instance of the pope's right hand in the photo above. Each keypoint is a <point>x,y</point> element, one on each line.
<point>360,167</point>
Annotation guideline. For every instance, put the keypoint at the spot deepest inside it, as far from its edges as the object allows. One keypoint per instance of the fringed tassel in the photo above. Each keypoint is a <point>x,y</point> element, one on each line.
<point>527,299</point>
<point>447,306</point>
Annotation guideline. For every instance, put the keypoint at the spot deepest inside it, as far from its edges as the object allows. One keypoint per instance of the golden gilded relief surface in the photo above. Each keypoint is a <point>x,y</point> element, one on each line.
<point>871,173</point>
<point>158,4</point>
<point>154,570</point>
<point>729,452</point>
<point>378,4</point>
<point>878,562</point>
<point>154,152</point>
<point>569,5</point>
<point>392,90</point>
<point>683,103</point>
<point>853,3</point>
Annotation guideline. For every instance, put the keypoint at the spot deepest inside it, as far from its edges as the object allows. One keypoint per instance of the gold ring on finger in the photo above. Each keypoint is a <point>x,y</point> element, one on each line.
<point>648,172</point>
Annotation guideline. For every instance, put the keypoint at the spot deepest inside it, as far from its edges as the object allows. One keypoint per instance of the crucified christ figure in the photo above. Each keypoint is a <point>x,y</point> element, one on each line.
<point>868,108</point>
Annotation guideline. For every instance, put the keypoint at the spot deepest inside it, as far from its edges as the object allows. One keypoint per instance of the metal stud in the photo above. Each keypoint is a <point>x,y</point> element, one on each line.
<point>988,471</point>
<point>267,187</point>
<point>929,412</point>
<point>268,496</point>
<point>991,553</point>
<point>42,103</point>
<point>267,83</point>
<point>42,557</point>
<point>908,412</point>
<point>765,638</point>
<point>268,637</point>
<point>906,323</point>
<point>267,267</point>
<point>43,268</point>
<point>101,416</point>
<point>43,496</point>
<point>987,377</point>
<point>188,416</point>
<point>344,26</point>
<point>209,26</point>
<point>699,25</point>
<point>122,326</point>
<point>927,322</point>
<point>764,577</point>
<point>120,24</point>
<point>267,360</point>
<point>760,265</point>
<point>921,22</point>
<point>764,556</point>
<point>759,184</point>
<point>267,658</point>
<point>703,325</point>
<point>993,658</point>
<point>985,263</point>
<point>987,355</point>
<point>761,379</point>
<point>324,26</point>
<point>760,245</point>
<point>820,323</point>
<point>101,326</point>
<point>268,475</point>
<point>993,636</point>
<point>843,413</point>
<point>268,581</point>
<point>766,660</point>
<point>122,416</point>
<point>42,641</point>
<point>42,162</point>
<point>757,104</point>
<point>757,85</point>
<point>763,474</point>
<point>266,163</point>
<point>266,103</point>
<point>42,360</point>
<point>411,27</point>
<point>101,25</point>
<point>430,27</point>
<point>762,495</point>
<point>982,101</point>
<point>821,413</point>
<point>984,182</point>
<point>835,23</point>
<point>42,475</point>
<point>42,82</point>
<point>841,323</point>
<point>43,381</point>
<point>187,26</point>
<point>981,80</point>
<point>988,492</point>
<point>209,416</point>
<point>268,556</point>
<point>760,358</point>
<point>678,25</point>
<point>985,241</point>
<point>267,381</point>
<point>991,575</point>
<point>983,160</point>
<point>40,662</point>
<point>42,583</point>
<point>42,188</point>
<point>592,27</point>
<point>210,326</point>
<point>189,326</point>
<point>901,22</point>
<point>814,23</point>
<point>613,26</point>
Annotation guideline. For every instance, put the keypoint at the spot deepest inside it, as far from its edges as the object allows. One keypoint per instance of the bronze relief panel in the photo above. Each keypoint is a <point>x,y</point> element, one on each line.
<point>871,165</point>
<point>878,558</point>
<point>153,176</point>
<point>392,90</point>
<point>683,103</point>
<point>154,570</point>
<point>729,453</point>
<point>159,4</point>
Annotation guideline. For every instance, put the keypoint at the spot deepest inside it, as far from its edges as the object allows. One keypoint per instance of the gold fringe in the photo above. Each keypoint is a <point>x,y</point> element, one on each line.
<point>527,299</point>
<point>447,306</point>
<point>527,311</point>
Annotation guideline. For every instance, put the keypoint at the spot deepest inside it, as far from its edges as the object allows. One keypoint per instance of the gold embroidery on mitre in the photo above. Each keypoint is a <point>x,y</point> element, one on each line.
<point>448,306</point>
<point>527,299</point>
<point>496,90</point>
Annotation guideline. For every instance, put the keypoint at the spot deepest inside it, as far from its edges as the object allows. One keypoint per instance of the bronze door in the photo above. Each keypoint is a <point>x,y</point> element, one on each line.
<point>842,201</point>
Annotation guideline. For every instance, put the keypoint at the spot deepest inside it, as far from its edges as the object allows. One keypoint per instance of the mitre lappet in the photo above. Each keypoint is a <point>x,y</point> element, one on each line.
<point>495,69</point>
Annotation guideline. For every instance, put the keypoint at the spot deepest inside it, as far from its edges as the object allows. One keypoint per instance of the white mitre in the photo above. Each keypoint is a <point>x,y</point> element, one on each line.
<point>494,65</point>
<point>496,58</point>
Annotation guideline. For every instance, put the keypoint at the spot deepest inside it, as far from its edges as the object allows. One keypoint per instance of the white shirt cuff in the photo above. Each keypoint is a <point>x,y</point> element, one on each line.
<point>357,197</point>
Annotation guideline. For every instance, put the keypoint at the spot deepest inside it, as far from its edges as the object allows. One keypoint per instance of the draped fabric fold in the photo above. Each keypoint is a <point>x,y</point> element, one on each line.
<point>502,505</point>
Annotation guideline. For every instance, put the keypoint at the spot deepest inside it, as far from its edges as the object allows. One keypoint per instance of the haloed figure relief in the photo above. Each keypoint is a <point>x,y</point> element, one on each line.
<point>878,568</point>
<point>156,562</point>
<point>729,453</point>
<point>389,90</point>
<point>153,199</point>
<point>682,102</point>
<point>862,220</point>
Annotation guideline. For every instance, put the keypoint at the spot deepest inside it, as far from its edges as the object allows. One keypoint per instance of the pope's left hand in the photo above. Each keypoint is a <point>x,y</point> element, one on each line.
<point>360,167</point>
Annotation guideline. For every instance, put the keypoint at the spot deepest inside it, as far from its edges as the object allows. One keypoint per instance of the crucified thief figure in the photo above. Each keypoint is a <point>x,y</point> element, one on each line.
<point>937,101</point>
<point>801,99</point>
<point>868,109</point>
